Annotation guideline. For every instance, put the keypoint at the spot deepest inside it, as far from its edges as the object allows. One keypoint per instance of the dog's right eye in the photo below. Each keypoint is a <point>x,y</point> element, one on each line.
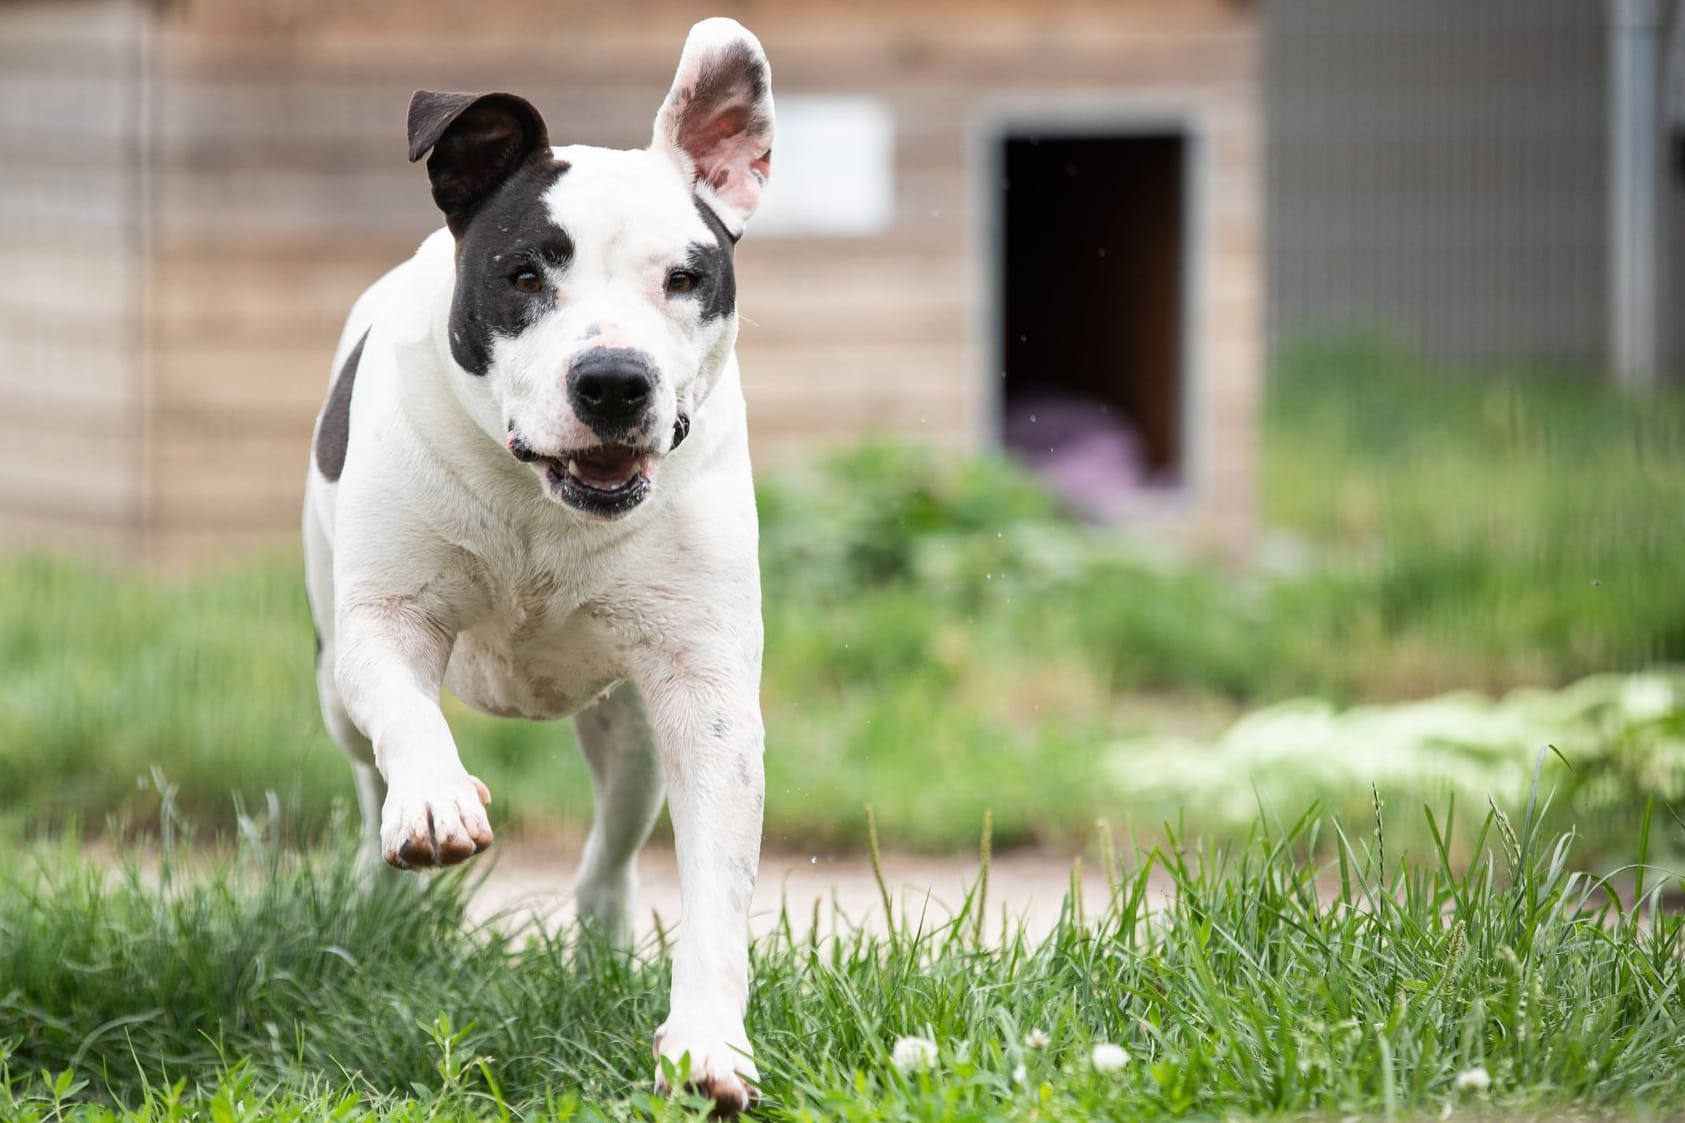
<point>528,281</point>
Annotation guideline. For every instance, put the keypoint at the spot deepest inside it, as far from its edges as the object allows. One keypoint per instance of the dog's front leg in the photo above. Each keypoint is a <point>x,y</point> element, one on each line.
<point>708,724</point>
<point>392,660</point>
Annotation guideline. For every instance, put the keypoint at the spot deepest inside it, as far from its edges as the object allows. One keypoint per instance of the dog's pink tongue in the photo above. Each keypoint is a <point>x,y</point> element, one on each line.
<point>608,468</point>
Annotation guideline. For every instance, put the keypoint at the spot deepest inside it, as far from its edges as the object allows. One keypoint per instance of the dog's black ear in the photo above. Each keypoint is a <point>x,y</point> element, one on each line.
<point>477,141</point>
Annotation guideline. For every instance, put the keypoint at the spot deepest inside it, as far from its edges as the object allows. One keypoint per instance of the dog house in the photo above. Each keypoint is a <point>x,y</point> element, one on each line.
<point>1033,224</point>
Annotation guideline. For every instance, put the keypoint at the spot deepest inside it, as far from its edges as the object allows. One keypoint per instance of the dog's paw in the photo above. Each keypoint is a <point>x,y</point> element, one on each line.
<point>721,1067</point>
<point>439,824</point>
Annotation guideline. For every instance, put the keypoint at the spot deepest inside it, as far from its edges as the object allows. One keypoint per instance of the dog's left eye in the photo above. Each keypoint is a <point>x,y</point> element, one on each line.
<point>681,281</point>
<point>528,281</point>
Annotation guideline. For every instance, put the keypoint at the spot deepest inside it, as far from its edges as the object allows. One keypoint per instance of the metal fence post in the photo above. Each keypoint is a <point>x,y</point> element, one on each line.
<point>1634,202</point>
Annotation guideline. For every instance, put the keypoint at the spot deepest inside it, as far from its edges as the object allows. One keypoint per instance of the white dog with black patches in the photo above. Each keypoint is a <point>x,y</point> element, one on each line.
<point>531,485</point>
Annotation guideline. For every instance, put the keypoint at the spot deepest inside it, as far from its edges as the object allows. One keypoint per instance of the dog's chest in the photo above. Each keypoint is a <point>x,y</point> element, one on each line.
<point>537,655</point>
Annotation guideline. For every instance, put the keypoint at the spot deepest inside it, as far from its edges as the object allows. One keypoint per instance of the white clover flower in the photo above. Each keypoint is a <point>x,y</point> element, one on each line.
<point>1476,1079</point>
<point>1019,1074</point>
<point>1646,698</point>
<point>1107,1057</point>
<point>914,1054</point>
<point>1036,1039</point>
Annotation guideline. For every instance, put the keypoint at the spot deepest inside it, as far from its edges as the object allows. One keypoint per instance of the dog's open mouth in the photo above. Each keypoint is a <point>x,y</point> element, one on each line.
<point>605,480</point>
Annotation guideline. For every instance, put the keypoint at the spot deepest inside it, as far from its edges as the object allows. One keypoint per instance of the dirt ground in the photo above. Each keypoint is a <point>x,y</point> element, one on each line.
<point>533,882</point>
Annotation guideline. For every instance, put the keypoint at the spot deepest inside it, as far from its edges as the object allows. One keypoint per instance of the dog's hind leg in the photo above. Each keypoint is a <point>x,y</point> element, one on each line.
<point>627,788</point>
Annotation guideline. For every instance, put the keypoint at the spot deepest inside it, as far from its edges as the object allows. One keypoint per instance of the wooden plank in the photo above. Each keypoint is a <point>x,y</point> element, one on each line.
<point>38,24</point>
<point>355,123</point>
<point>254,299</point>
<point>305,202</point>
<point>905,388</point>
<point>560,25</point>
<point>867,364</point>
<point>26,242</point>
<point>83,198</point>
<point>242,391</point>
<point>246,392</point>
<point>44,470</point>
<point>68,326</point>
<point>77,110</point>
<point>68,405</point>
<point>920,146</point>
<point>1234,318</point>
<point>774,450</point>
<point>98,289</point>
<point>220,478</point>
<point>831,329</point>
<point>1232,391</point>
<point>189,549</point>
<point>66,532</point>
<point>813,323</point>
<point>314,286</point>
<point>967,49</point>
<point>797,437</point>
<point>235,301</point>
<point>366,108</point>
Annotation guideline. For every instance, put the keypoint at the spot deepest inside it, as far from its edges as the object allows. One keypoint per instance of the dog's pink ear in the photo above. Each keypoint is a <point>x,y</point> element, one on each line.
<point>477,141</point>
<point>717,119</point>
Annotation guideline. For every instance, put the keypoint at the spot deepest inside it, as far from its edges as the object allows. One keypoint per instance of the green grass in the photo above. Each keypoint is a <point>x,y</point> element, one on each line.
<point>1508,526</point>
<point>1266,984</point>
<point>938,633</point>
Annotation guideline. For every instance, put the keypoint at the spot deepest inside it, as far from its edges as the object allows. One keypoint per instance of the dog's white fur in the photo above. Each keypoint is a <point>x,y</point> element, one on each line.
<point>438,559</point>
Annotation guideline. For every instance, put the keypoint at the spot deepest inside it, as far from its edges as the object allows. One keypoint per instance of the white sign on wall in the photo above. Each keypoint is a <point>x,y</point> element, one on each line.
<point>833,168</point>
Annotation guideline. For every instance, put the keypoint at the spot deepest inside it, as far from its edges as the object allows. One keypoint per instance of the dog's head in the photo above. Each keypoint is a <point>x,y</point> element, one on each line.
<point>595,301</point>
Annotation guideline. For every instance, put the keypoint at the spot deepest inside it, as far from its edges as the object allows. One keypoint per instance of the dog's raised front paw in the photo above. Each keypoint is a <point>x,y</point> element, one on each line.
<point>721,1067</point>
<point>439,824</point>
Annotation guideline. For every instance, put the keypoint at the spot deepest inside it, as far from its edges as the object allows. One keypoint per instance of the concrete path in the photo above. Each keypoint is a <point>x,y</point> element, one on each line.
<point>530,881</point>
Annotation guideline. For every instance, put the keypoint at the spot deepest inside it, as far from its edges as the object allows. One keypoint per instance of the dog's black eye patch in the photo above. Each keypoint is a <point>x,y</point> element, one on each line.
<point>712,261</point>
<point>511,234</point>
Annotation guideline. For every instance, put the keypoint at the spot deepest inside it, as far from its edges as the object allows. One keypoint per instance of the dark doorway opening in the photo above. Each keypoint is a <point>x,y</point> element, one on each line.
<point>1092,281</point>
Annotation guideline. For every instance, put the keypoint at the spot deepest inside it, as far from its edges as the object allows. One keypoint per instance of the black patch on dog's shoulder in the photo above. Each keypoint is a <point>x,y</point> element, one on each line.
<point>513,231</point>
<point>333,431</point>
<point>715,265</point>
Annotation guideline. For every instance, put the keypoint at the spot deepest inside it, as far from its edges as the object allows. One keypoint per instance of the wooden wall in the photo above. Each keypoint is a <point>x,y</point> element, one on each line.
<point>279,189</point>
<point>71,420</point>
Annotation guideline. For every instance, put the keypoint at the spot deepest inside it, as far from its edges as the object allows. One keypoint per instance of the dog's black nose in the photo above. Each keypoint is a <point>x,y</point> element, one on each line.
<point>611,388</point>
